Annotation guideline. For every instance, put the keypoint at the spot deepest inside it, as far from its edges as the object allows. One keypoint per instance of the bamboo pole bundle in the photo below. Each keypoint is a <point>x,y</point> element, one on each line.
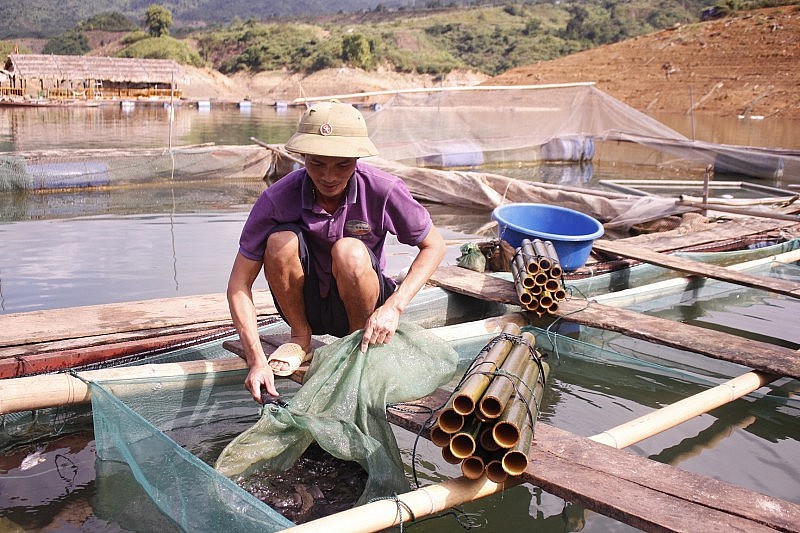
<point>537,274</point>
<point>469,438</point>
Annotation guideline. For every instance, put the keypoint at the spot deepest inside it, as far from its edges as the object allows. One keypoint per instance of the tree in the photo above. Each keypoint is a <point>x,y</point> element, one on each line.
<point>356,50</point>
<point>69,43</point>
<point>158,19</point>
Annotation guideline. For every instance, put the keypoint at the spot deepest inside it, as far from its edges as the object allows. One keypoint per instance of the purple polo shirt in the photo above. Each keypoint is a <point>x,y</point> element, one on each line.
<point>376,203</point>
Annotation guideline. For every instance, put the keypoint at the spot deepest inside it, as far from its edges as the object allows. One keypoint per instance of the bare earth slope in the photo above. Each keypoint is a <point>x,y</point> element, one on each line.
<point>745,64</point>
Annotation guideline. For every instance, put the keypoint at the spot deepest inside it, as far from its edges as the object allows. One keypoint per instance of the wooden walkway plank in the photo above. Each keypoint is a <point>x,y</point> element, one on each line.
<point>718,345</point>
<point>87,321</point>
<point>688,266</point>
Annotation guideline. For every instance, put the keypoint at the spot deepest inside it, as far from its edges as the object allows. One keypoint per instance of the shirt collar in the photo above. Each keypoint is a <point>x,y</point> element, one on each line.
<point>308,194</point>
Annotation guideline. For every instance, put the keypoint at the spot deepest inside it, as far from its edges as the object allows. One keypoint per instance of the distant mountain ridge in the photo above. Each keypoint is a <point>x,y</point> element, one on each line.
<point>47,18</point>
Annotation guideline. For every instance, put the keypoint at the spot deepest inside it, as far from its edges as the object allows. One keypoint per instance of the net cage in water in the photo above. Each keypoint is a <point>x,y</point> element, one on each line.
<point>158,437</point>
<point>70,169</point>
<point>569,123</point>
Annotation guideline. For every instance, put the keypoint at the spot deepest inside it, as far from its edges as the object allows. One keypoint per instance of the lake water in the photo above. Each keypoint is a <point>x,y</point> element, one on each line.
<point>84,248</point>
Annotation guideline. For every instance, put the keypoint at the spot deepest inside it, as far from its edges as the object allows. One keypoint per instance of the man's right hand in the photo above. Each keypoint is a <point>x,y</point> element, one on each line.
<point>260,375</point>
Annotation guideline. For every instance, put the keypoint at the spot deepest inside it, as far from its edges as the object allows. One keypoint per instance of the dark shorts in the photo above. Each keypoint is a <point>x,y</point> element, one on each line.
<point>328,315</point>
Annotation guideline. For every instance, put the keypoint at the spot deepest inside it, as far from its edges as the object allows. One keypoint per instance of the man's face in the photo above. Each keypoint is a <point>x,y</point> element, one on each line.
<point>330,174</point>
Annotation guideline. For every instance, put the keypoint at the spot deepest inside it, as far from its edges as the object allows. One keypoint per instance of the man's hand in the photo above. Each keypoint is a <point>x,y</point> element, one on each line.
<point>380,326</point>
<point>260,375</point>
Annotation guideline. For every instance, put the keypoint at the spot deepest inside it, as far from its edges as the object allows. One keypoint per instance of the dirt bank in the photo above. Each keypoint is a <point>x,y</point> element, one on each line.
<point>742,65</point>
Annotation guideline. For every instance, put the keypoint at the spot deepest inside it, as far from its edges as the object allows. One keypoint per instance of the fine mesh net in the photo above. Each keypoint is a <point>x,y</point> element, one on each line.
<point>156,438</point>
<point>68,169</point>
<point>509,126</point>
<point>139,427</point>
<point>342,406</point>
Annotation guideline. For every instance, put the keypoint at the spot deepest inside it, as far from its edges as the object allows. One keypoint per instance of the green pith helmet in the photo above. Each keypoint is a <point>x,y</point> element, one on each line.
<point>333,129</point>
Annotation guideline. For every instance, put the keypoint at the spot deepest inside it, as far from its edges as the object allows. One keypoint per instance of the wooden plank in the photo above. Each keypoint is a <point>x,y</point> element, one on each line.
<point>58,324</point>
<point>688,266</point>
<point>739,228</point>
<point>39,363</point>
<point>635,490</point>
<point>718,345</point>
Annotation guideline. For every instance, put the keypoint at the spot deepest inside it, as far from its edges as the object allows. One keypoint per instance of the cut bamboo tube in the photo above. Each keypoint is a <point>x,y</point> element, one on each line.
<point>495,472</point>
<point>681,411</point>
<point>501,388</point>
<point>552,285</point>
<point>506,432</point>
<point>520,271</point>
<point>473,467</point>
<point>541,254</point>
<point>448,456</point>
<point>449,421</point>
<point>486,440</point>
<point>439,436</point>
<point>464,443</point>
<point>515,461</point>
<point>482,371</point>
<point>553,255</point>
<point>529,256</point>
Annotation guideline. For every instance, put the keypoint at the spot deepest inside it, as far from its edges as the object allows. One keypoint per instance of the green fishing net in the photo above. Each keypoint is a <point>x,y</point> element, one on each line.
<point>342,407</point>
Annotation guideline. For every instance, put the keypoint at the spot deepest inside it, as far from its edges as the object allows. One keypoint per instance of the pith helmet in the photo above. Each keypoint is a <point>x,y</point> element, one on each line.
<point>333,129</point>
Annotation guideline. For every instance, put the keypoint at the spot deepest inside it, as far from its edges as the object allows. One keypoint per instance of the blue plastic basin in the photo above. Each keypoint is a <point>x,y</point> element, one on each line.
<point>571,232</point>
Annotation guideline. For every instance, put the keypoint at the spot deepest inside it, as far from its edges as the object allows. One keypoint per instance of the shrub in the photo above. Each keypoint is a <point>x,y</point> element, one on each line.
<point>69,43</point>
<point>163,47</point>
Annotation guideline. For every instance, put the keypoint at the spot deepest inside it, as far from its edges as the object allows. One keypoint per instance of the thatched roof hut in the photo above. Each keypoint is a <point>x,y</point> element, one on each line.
<point>91,72</point>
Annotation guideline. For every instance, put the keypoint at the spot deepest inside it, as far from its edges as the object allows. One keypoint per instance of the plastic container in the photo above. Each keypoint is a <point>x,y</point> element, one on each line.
<point>571,232</point>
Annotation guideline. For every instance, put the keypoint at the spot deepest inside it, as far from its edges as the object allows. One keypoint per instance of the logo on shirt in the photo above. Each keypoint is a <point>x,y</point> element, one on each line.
<point>357,228</point>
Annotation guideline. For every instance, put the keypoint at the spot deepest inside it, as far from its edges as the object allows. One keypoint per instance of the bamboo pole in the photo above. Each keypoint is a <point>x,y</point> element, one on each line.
<point>465,442</point>
<point>681,411</point>
<point>501,388</point>
<point>473,467</point>
<point>475,385</point>
<point>506,432</point>
<point>382,514</point>
<point>495,472</point>
<point>53,390</point>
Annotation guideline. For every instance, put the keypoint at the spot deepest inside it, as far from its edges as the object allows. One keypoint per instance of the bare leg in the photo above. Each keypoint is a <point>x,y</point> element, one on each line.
<point>285,275</point>
<point>356,280</point>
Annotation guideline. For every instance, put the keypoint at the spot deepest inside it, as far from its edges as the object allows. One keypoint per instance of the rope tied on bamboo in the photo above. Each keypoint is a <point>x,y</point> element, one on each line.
<point>401,506</point>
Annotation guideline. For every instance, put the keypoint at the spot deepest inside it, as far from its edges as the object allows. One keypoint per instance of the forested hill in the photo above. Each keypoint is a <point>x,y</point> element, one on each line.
<point>46,18</point>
